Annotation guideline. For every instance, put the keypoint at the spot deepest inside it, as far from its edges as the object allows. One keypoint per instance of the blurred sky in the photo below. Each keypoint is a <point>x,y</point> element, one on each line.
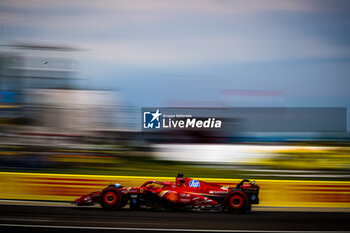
<point>161,52</point>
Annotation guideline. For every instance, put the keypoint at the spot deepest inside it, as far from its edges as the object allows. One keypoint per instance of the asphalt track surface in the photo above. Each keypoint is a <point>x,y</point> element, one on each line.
<point>21,218</point>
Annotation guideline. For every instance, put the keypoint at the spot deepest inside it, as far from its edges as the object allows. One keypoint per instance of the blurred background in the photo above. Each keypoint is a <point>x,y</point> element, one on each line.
<point>74,76</point>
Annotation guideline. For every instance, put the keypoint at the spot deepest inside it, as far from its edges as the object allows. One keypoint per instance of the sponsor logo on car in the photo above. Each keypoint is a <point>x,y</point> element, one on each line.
<point>218,192</point>
<point>194,183</point>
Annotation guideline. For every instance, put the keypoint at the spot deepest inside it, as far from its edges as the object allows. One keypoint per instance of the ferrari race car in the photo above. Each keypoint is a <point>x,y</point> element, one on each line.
<point>185,193</point>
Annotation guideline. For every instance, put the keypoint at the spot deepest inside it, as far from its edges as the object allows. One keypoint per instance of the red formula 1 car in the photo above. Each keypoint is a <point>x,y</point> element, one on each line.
<point>185,193</point>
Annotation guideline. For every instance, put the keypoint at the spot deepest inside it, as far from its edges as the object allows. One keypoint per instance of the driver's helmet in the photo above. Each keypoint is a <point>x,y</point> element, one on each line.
<point>180,179</point>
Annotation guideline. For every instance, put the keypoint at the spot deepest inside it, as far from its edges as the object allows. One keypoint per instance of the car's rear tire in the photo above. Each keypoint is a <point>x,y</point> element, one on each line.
<point>236,202</point>
<point>111,199</point>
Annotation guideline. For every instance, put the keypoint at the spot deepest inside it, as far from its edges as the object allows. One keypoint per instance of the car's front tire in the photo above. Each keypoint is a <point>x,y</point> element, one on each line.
<point>111,198</point>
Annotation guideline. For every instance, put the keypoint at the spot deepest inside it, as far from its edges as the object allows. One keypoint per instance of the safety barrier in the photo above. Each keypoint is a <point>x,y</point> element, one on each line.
<point>65,187</point>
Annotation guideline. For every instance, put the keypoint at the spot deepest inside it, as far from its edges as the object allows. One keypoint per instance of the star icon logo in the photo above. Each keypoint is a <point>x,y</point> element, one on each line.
<point>151,119</point>
<point>156,115</point>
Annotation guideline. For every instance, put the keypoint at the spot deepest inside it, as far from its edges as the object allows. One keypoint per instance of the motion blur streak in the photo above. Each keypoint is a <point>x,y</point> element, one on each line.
<point>277,193</point>
<point>14,216</point>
